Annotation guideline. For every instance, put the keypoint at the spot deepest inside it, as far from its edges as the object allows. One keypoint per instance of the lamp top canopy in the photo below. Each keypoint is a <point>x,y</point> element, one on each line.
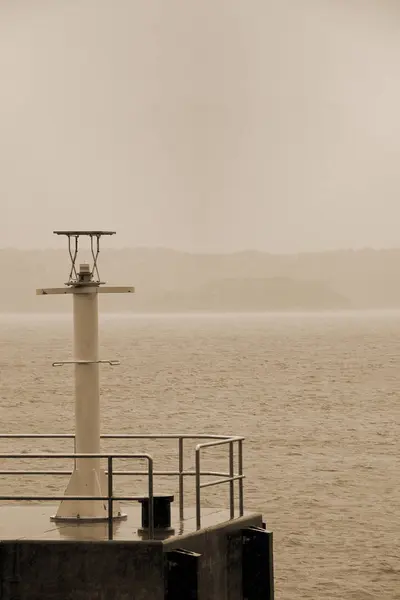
<point>78,233</point>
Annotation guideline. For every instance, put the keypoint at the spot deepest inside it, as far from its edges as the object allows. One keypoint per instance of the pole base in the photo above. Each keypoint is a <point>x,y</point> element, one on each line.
<point>87,483</point>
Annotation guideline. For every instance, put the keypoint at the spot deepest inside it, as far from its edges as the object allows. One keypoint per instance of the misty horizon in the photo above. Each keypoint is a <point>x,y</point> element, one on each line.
<point>202,252</point>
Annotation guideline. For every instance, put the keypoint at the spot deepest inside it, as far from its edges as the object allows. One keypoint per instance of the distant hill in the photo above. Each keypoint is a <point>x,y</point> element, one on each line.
<point>168,280</point>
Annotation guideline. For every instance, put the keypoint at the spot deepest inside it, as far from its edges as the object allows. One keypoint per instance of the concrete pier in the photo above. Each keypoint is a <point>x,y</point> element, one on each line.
<point>43,560</point>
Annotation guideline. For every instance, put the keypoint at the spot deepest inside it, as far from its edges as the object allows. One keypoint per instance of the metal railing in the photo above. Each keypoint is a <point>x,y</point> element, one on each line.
<point>228,478</point>
<point>217,440</point>
<point>110,498</point>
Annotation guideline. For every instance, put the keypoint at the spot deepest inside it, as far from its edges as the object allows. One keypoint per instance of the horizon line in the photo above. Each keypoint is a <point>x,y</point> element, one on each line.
<point>209,252</point>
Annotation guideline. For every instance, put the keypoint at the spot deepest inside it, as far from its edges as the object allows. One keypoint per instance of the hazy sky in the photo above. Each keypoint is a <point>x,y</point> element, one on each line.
<point>201,124</point>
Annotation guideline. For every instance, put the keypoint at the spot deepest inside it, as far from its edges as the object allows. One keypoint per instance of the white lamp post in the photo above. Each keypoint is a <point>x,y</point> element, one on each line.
<point>87,479</point>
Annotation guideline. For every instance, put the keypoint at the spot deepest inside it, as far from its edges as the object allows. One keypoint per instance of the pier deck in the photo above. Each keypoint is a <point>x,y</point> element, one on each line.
<point>32,522</point>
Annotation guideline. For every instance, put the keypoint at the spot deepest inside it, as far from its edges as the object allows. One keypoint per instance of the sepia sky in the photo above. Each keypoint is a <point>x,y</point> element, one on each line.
<point>212,125</point>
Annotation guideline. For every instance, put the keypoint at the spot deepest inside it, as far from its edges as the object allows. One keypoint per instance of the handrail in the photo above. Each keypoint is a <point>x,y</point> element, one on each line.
<point>181,473</point>
<point>231,478</point>
<point>110,496</point>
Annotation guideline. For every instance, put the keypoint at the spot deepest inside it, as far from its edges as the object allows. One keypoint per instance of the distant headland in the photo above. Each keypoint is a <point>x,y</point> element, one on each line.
<point>168,280</point>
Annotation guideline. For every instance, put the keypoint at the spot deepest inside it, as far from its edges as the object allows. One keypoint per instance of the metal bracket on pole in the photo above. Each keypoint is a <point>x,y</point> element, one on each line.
<point>61,363</point>
<point>73,248</point>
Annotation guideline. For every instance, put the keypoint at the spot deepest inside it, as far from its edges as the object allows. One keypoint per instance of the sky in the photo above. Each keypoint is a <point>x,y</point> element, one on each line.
<point>211,126</point>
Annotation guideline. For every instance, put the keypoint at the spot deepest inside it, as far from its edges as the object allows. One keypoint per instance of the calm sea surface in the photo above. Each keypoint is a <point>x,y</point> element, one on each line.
<point>317,397</point>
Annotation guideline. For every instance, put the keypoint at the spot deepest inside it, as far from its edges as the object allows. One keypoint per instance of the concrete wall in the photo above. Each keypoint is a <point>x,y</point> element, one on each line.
<point>220,576</point>
<point>46,570</point>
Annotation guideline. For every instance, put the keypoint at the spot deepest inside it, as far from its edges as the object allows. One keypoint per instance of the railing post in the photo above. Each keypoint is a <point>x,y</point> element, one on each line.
<point>110,497</point>
<point>151,498</point>
<point>181,510</point>
<point>240,460</point>
<point>198,506</point>
<point>231,483</point>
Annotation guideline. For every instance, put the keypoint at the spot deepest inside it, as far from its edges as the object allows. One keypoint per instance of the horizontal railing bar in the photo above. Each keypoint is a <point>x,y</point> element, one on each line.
<point>227,480</point>
<point>123,436</point>
<point>219,442</point>
<point>33,436</point>
<point>74,455</point>
<point>59,498</point>
<point>37,472</point>
<point>136,473</point>
<point>167,436</point>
